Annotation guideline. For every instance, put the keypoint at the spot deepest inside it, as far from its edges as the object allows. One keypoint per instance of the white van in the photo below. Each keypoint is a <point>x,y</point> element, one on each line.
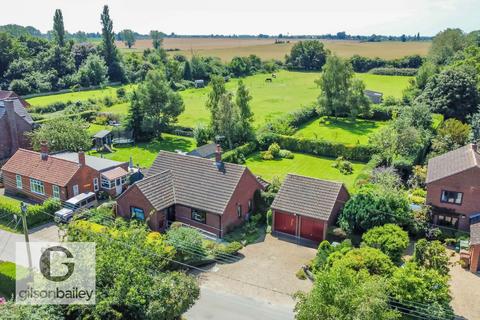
<point>80,202</point>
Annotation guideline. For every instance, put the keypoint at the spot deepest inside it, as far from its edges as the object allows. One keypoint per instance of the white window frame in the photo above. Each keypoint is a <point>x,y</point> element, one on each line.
<point>37,186</point>
<point>19,182</point>
<point>56,191</point>
<point>96,186</point>
<point>106,183</point>
<point>76,190</point>
<point>239,211</point>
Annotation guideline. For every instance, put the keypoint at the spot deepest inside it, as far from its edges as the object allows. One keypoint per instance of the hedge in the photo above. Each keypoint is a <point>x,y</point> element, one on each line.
<point>88,115</point>
<point>8,277</point>
<point>36,214</point>
<point>324,148</point>
<point>245,150</point>
<point>394,71</point>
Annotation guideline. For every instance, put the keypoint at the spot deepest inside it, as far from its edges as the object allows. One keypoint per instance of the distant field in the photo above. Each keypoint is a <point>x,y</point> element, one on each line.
<point>302,164</point>
<point>227,48</point>
<point>340,130</point>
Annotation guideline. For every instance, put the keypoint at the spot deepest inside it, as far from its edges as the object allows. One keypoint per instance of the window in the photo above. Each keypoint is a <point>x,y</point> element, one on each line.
<point>19,181</point>
<point>105,183</point>
<point>250,205</point>
<point>75,190</point>
<point>448,220</point>
<point>199,216</point>
<point>124,180</point>
<point>95,185</point>
<point>36,186</point>
<point>452,197</point>
<point>56,191</point>
<point>239,211</point>
<point>137,213</point>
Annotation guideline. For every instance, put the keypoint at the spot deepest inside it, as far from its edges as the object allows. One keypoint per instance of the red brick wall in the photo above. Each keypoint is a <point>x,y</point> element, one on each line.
<point>84,179</point>
<point>184,214</point>
<point>467,182</point>
<point>343,197</point>
<point>10,183</point>
<point>475,258</point>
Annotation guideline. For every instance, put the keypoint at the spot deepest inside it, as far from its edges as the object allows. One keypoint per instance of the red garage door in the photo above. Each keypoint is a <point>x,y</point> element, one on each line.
<point>285,223</point>
<point>311,229</point>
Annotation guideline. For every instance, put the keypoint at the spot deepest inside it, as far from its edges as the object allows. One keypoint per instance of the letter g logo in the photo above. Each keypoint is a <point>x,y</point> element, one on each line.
<point>45,264</point>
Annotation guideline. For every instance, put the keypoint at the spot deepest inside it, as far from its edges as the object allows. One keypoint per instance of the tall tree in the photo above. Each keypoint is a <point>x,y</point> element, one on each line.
<point>187,71</point>
<point>135,116</point>
<point>157,39</point>
<point>227,119</point>
<point>128,37</point>
<point>445,44</point>
<point>242,100</point>
<point>307,55</point>
<point>108,49</point>
<point>58,28</point>
<point>218,89</point>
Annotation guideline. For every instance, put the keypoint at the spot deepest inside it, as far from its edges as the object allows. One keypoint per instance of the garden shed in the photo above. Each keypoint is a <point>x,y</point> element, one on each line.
<point>374,96</point>
<point>102,138</point>
<point>305,207</point>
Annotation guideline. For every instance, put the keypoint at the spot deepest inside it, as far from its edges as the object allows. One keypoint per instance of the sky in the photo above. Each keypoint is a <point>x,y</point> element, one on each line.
<point>365,17</point>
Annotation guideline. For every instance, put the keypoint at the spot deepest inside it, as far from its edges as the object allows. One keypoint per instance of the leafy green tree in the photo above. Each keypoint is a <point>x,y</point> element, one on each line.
<point>227,119</point>
<point>475,125</point>
<point>344,294</point>
<point>421,289</point>
<point>431,255</point>
<point>307,55</point>
<point>445,44</point>
<point>65,135</point>
<point>452,134</point>
<point>213,100</point>
<point>452,93</point>
<point>187,71</point>
<point>365,258</point>
<point>108,48</point>
<point>202,134</point>
<point>160,104</point>
<point>242,100</point>
<point>58,28</point>
<point>390,239</point>
<point>93,71</point>
<point>135,117</point>
<point>372,206</point>
<point>80,52</point>
<point>10,50</point>
<point>239,66</point>
<point>128,37</point>
<point>425,72</point>
<point>157,39</point>
<point>341,94</point>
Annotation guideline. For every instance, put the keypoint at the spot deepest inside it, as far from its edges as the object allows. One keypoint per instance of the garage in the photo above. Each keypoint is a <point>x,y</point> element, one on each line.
<point>285,223</point>
<point>311,229</point>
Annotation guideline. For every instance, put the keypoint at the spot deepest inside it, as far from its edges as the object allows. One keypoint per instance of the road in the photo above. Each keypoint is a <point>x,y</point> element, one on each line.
<point>215,305</point>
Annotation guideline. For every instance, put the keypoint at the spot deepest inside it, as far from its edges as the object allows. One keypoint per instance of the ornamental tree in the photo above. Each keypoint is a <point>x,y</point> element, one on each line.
<point>390,239</point>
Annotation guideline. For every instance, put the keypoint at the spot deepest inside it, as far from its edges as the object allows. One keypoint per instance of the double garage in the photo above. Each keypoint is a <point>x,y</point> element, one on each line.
<point>305,207</point>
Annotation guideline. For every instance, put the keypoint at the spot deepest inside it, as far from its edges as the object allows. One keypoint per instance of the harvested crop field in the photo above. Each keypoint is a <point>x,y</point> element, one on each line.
<point>227,48</point>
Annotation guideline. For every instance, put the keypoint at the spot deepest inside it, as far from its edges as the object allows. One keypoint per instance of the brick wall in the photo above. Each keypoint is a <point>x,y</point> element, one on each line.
<point>467,182</point>
<point>475,258</point>
<point>343,197</point>
<point>10,183</point>
<point>212,223</point>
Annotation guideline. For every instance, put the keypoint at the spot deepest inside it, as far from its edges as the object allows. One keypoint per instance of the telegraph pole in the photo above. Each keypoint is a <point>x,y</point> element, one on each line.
<point>23,208</point>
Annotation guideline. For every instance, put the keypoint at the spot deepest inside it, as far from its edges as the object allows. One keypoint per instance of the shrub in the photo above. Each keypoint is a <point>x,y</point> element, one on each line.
<point>450,241</point>
<point>232,248</point>
<point>390,239</point>
<point>365,258</point>
<point>301,274</point>
<point>286,154</point>
<point>266,155</point>
<point>202,134</point>
<point>345,167</point>
<point>121,92</point>
<point>431,255</point>
<point>240,153</point>
<point>269,217</point>
<point>394,71</point>
<point>188,243</point>
<point>274,150</point>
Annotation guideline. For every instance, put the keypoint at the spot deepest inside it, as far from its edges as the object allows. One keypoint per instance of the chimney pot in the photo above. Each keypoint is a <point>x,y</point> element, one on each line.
<point>44,150</point>
<point>81,158</point>
<point>218,154</point>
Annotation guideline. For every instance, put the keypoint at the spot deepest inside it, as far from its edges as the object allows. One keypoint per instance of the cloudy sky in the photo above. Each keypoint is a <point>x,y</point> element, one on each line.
<point>252,16</point>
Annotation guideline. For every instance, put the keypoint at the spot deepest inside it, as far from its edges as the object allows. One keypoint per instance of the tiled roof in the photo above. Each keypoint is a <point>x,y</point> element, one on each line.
<point>197,182</point>
<point>475,233</point>
<point>115,173</point>
<point>19,109</point>
<point>452,162</point>
<point>158,189</point>
<point>4,94</point>
<point>97,163</point>
<point>52,170</point>
<point>205,151</point>
<point>307,196</point>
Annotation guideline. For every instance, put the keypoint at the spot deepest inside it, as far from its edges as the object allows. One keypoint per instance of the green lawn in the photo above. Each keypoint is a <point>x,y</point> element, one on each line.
<point>144,154</point>
<point>340,130</point>
<point>302,164</point>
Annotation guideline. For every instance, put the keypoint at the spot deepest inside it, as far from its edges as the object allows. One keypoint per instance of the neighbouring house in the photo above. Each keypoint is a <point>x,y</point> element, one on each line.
<point>40,175</point>
<point>14,122</point>
<point>374,96</point>
<point>305,207</point>
<point>103,138</point>
<point>453,187</point>
<point>210,195</point>
<point>205,151</point>
<point>475,247</point>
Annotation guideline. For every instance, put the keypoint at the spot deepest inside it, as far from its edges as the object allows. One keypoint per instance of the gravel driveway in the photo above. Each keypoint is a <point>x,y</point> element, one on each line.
<point>270,264</point>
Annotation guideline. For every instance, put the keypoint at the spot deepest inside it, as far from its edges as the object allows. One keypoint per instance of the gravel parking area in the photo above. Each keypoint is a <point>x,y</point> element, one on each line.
<point>270,264</point>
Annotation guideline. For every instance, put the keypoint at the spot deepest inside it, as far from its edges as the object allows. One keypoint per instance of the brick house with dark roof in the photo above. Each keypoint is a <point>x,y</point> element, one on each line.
<point>453,187</point>
<point>14,122</point>
<point>305,207</point>
<point>207,194</point>
<point>39,175</point>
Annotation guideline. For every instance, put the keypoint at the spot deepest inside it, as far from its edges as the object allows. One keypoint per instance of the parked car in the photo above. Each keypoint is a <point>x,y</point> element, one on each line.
<point>78,203</point>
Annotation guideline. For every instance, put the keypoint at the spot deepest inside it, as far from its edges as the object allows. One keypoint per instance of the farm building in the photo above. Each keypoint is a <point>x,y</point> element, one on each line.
<point>305,207</point>
<point>206,194</point>
<point>374,96</point>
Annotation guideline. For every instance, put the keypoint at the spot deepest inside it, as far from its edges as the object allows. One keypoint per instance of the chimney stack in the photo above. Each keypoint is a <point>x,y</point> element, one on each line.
<point>44,150</point>
<point>81,158</point>
<point>218,154</point>
<point>12,124</point>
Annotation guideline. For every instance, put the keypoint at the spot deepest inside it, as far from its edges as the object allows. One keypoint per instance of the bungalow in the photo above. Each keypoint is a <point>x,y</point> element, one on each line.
<point>453,187</point>
<point>38,175</point>
<point>305,207</point>
<point>207,194</point>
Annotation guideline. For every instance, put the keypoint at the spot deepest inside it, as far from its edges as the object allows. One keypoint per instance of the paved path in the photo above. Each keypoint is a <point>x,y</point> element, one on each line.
<point>48,232</point>
<point>215,305</point>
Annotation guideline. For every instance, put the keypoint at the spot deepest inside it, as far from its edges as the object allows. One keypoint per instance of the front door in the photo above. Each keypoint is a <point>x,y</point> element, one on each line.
<point>118,186</point>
